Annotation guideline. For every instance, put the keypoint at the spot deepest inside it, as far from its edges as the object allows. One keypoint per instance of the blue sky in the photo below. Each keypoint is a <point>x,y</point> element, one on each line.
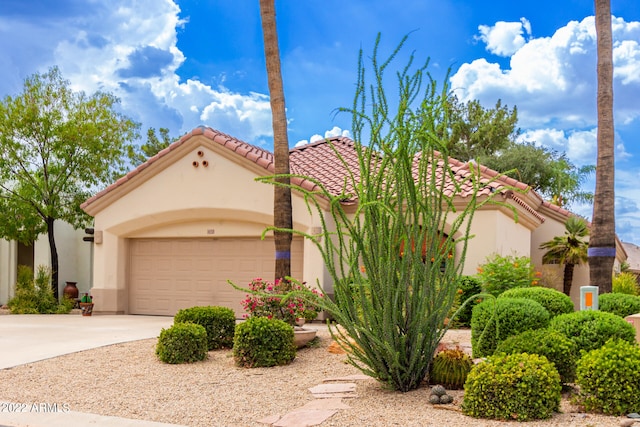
<point>179,64</point>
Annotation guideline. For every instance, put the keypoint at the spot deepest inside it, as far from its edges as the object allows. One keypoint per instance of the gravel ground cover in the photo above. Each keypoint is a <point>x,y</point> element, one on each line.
<point>127,380</point>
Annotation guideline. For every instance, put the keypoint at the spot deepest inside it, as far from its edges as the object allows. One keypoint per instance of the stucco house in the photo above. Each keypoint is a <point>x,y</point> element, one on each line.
<point>170,233</point>
<point>74,259</point>
<point>633,252</point>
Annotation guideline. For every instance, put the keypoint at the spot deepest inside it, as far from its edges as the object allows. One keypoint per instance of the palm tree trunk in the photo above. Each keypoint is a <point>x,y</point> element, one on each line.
<point>54,256</point>
<point>602,244</point>
<point>568,279</point>
<point>282,210</point>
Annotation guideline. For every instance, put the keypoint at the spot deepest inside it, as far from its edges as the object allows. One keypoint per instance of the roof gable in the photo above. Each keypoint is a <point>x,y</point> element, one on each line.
<point>317,160</point>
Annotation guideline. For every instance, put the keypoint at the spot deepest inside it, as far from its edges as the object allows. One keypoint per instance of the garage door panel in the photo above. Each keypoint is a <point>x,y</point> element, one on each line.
<point>169,274</point>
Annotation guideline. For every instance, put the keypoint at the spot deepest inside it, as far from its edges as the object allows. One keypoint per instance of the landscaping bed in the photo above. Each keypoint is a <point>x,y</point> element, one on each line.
<point>127,380</point>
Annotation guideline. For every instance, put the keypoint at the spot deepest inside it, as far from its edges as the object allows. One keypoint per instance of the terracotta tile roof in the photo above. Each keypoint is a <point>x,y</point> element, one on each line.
<point>319,161</point>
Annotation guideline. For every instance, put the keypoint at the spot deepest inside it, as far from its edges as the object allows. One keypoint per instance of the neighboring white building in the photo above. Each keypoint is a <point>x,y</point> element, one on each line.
<point>74,257</point>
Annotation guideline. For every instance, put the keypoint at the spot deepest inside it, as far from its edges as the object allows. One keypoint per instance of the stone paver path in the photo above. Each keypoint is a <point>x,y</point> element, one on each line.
<point>328,402</point>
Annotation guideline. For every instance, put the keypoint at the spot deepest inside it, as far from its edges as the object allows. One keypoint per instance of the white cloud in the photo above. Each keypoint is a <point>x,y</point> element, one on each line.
<point>335,131</point>
<point>505,38</point>
<point>580,146</point>
<point>552,80</point>
<point>130,49</point>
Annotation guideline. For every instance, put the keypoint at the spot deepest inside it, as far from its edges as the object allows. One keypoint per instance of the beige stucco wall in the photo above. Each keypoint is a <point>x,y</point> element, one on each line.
<point>495,232</point>
<point>8,259</point>
<point>220,200</point>
<point>74,257</point>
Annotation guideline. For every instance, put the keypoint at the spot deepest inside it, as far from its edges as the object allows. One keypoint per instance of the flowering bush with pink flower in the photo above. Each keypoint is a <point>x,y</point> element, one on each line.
<point>283,299</point>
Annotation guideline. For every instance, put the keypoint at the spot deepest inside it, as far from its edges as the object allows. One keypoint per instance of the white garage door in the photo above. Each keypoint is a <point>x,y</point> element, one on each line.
<point>169,274</point>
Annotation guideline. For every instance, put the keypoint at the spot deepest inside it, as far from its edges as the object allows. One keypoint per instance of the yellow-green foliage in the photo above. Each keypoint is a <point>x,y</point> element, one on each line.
<point>519,387</point>
<point>500,273</point>
<point>626,283</point>
<point>609,378</point>
<point>551,344</point>
<point>35,296</point>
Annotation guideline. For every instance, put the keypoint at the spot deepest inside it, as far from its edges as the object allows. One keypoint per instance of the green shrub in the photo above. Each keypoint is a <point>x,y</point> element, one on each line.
<point>182,343</point>
<point>557,348</point>
<point>450,368</point>
<point>500,273</point>
<point>609,378</point>
<point>622,305</point>
<point>512,316</point>
<point>219,322</point>
<point>260,341</point>
<point>35,296</point>
<point>554,301</point>
<point>66,305</point>
<point>518,387</point>
<point>590,329</point>
<point>468,286</point>
<point>626,283</point>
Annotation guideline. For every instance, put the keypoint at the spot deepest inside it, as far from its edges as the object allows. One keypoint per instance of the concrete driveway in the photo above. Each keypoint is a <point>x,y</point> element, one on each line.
<point>28,338</point>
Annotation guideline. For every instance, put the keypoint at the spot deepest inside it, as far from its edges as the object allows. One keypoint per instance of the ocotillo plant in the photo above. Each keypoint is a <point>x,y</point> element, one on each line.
<point>396,256</point>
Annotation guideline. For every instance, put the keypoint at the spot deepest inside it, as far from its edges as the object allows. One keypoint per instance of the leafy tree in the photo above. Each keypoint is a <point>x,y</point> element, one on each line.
<point>152,147</point>
<point>546,171</point>
<point>282,209</point>
<point>568,250</point>
<point>602,245</point>
<point>489,136</point>
<point>56,147</point>
<point>476,132</point>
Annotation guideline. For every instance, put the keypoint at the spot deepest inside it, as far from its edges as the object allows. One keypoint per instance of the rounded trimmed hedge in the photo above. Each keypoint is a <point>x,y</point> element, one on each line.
<point>609,378</point>
<point>512,316</point>
<point>554,301</point>
<point>590,329</point>
<point>553,345</point>
<point>519,387</point>
<point>219,322</point>
<point>182,343</point>
<point>263,342</point>
<point>622,305</point>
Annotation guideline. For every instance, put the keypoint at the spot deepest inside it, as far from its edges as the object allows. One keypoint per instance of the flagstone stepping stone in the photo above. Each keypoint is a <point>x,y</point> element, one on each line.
<point>334,388</point>
<point>270,419</point>
<point>335,395</point>
<point>304,418</point>
<point>329,403</point>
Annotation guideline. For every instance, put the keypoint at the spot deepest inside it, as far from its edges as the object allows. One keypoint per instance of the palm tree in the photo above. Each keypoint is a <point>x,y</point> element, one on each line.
<point>282,211</point>
<point>568,250</point>
<point>602,245</point>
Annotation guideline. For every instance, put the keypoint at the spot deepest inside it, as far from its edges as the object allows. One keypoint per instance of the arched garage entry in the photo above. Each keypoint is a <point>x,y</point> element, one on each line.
<point>167,274</point>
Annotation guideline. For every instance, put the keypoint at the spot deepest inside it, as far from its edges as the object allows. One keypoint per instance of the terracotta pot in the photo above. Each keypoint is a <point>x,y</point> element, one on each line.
<point>87,308</point>
<point>70,290</point>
